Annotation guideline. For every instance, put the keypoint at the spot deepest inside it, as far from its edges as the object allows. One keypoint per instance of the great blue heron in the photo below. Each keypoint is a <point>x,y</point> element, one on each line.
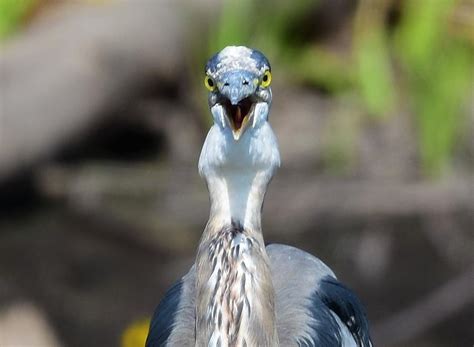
<point>239,292</point>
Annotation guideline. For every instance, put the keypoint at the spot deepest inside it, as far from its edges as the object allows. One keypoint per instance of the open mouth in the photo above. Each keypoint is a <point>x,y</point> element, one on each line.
<point>239,114</point>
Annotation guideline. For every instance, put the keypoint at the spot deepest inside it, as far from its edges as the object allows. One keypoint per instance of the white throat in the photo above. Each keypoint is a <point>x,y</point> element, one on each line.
<point>237,197</point>
<point>237,173</point>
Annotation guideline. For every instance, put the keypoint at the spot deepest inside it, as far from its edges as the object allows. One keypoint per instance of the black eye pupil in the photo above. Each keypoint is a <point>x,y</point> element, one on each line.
<point>210,82</point>
<point>265,78</point>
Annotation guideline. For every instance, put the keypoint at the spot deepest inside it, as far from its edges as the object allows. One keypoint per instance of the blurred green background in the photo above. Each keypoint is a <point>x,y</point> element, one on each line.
<point>103,114</point>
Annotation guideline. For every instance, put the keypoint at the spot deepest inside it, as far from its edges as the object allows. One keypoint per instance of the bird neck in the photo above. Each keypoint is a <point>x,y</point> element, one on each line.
<point>237,174</point>
<point>235,298</point>
<point>237,196</point>
<point>235,295</point>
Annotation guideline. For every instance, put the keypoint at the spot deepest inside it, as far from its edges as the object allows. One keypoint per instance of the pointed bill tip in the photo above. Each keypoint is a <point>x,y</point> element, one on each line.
<point>236,134</point>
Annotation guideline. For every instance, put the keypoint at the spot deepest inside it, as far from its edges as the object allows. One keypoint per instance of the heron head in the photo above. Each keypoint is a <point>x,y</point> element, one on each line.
<point>240,153</point>
<point>238,79</point>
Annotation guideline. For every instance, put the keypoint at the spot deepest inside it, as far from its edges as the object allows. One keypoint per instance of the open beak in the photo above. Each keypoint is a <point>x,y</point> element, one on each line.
<point>239,115</point>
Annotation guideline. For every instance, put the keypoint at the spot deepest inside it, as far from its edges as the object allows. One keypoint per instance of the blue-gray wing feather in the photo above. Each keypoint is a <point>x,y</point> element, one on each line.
<point>312,307</point>
<point>347,306</point>
<point>164,317</point>
<point>173,323</point>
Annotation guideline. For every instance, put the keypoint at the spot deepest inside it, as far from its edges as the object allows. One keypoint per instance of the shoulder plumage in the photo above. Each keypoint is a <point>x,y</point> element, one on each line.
<point>163,319</point>
<point>348,308</point>
<point>313,307</point>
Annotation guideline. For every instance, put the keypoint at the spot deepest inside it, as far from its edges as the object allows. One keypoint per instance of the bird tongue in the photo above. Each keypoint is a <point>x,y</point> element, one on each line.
<point>238,117</point>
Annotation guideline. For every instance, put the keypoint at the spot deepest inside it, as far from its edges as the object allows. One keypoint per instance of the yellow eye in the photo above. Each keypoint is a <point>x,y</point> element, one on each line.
<point>266,79</point>
<point>209,83</point>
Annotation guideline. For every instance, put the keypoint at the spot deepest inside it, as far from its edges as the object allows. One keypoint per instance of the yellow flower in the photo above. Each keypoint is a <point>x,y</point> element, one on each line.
<point>135,334</point>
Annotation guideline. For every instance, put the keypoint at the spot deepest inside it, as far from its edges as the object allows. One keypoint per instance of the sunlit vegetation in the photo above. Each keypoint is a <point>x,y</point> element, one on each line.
<point>12,15</point>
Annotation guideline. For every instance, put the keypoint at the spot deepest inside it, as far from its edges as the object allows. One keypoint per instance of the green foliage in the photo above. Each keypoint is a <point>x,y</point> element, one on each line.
<point>439,71</point>
<point>322,68</point>
<point>262,24</point>
<point>374,73</point>
<point>12,12</point>
<point>421,30</point>
<point>233,25</point>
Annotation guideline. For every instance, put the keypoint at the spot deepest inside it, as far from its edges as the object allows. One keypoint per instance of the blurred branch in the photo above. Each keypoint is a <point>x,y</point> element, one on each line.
<point>430,310</point>
<point>455,250</point>
<point>461,23</point>
<point>126,192</point>
<point>71,69</point>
